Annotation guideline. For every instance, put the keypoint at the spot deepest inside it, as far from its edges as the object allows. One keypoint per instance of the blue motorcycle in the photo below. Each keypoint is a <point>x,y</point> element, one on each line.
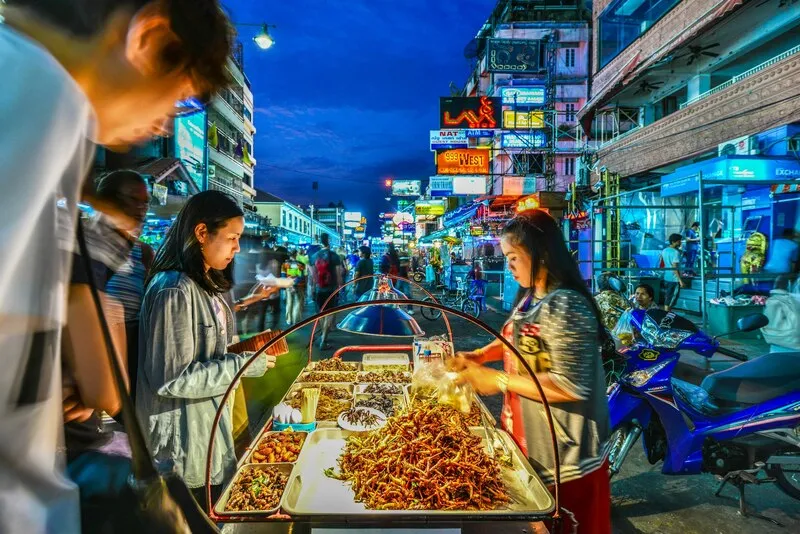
<point>736,424</point>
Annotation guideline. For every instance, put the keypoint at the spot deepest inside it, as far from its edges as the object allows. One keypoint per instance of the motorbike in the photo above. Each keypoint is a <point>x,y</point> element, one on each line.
<point>741,424</point>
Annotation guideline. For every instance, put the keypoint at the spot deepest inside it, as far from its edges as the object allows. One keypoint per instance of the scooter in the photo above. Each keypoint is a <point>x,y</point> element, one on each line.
<point>736,424</point>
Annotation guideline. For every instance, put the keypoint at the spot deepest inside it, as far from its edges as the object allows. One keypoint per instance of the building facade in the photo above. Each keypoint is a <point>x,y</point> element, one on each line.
<point>290,224</point>
<point>331,216</point>
<point>231,163</point>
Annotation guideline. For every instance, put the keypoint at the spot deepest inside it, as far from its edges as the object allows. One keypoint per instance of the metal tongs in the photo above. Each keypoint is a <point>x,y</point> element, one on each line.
<point>494,441</point>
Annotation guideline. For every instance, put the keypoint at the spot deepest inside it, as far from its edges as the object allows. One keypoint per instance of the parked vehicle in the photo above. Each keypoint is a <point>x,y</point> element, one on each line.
<point>467,297</point>
<point>737,424</point>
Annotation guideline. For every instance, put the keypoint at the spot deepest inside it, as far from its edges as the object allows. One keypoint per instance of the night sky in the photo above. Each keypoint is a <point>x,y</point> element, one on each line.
<point>348,93</point>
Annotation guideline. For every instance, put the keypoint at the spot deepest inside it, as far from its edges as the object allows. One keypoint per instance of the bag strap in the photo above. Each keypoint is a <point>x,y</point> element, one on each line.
<point>142,464</point>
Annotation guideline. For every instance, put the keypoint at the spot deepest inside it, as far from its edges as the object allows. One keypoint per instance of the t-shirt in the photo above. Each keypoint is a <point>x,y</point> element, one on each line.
<point>672,258</point>
<point>691,245</point>
<point>334,261</point>
<point>364,267</point>
<point>782,254</point>
<point>44,156</point>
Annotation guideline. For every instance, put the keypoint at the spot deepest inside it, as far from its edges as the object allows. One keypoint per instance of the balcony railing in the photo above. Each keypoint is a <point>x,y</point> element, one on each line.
<point>742,76</point>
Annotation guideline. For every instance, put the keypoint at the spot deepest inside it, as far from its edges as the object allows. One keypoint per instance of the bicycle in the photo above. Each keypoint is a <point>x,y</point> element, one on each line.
<point>467,300</point>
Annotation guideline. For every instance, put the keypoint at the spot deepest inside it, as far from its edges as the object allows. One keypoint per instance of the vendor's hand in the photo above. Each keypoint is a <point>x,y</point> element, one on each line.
<point>482,379</point>
<point>461,361</point>
<point>73,407</point>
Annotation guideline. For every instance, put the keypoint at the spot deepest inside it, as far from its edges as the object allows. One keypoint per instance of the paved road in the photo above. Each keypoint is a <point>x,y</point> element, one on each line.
<point>644,500</point>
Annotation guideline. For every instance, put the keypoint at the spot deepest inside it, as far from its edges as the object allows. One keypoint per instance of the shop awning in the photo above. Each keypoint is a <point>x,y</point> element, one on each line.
<point>162,168</point>
<point>439,234</point>
<point>780,189</point>
<point>731,170</point>
<point>460,215</point>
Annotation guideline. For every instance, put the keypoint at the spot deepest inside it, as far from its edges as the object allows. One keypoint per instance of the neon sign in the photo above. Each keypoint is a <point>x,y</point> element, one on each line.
<point>527,203</point>
<point>470,112</point>
<point>523,119</point>
<point>463,161</point>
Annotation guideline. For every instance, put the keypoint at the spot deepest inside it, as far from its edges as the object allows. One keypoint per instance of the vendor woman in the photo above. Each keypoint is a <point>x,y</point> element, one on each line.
<point>557,328</point>
<point>185,328</point>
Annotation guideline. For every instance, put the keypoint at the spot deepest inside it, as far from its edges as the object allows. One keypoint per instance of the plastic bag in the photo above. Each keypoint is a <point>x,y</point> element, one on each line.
<point>434,382</point>
<point>623,331</point>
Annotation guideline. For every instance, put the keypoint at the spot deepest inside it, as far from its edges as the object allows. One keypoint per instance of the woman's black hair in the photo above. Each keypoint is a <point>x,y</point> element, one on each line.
<point>181,250</point>
<point>647,289</point>
<point>538,233</point>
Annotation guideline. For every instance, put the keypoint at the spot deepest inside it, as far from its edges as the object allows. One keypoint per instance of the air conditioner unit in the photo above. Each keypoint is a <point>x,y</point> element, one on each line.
<point>741,146</point>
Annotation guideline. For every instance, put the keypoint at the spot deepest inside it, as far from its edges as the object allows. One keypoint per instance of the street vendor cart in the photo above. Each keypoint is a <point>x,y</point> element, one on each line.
<point>423,464</point>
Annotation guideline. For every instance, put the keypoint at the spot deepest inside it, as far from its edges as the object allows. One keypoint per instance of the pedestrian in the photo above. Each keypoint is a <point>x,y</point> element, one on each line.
<point>784,254</point>
<point>186,327</point>
<point>692,235</point>
<point>76,73</point>
<point>673,282</point>
<point>295,295</point>
<point>645,297</point>
<point>557,328</point>
<point>268,312</point>
<point>390,262</point>
<point>365,269</point>
<point>327,271</point>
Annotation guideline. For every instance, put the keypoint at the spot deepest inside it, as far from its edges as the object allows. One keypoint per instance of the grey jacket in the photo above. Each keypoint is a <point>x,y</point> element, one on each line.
<point>184,370</point>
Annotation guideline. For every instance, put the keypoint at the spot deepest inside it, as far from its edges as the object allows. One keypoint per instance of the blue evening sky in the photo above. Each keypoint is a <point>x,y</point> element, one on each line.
<point>348,93</point>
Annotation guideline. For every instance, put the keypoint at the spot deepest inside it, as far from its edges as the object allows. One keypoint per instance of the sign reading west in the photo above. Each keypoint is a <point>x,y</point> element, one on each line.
<point>463,161</point>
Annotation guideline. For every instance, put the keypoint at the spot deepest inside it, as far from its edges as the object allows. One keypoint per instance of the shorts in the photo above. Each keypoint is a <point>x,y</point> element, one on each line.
<point>673,291</point>
<point>320,298</point>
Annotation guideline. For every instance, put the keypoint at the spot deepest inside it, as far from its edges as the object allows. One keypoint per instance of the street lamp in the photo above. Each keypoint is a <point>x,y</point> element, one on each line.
<point>263,39</point>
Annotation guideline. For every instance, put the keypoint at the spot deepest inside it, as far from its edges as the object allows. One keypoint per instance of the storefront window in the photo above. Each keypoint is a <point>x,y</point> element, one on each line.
<point>623,21</point>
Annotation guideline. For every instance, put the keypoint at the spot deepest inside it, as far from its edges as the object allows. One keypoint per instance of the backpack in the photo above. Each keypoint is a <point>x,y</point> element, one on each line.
<point>322,266</point>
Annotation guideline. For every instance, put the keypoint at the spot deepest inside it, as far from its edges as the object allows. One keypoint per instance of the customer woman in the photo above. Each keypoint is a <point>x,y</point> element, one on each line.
<point>184,365</point>
<point>557,328</point>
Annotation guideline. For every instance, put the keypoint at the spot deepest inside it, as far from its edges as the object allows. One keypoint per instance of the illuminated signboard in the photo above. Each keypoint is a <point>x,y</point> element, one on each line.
<point>534,139</point>
<point>476,231</point>
<point>406,188</point>
<point>441,186</point>
<point>522,96</point>
<point>190,146</point>
<point>463,161</point>
<point>447,139</point>
<point>469,112</point>
<point>348,231</point>
<point>523,119</point>
<point>352,216</point>
<point>430,207</point>
<point>470,185</point>
<point>479,133</point>
<point>519,185</point>
<point>515,55</point>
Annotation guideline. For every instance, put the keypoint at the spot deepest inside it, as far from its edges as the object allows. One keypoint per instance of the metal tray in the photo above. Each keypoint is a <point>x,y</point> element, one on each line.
<point>219,508</point>
<point>362,374</point>
<point>313,365</point>
<point>398,400</point>
<point>299,386</point>
<point>362,388</point>
<point>311,493</point>
<point>379,361</point>
<point>303,378</point>
<point>250,451</point>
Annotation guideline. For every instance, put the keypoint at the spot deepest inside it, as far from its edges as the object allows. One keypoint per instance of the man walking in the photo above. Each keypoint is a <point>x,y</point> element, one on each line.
<point>327,272</point>
<point>671,259</point>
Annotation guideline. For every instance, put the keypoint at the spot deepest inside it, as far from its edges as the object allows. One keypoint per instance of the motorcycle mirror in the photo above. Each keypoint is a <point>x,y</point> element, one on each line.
<point>751,322</point>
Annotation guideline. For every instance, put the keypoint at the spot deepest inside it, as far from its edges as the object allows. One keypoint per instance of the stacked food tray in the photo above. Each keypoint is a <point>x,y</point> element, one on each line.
<point>285,470</point>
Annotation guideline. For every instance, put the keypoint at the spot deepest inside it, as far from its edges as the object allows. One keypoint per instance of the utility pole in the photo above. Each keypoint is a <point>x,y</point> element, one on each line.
<point>551,58</point>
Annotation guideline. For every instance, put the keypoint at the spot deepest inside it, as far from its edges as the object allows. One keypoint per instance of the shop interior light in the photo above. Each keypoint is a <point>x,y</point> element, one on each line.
<point>264,40</point>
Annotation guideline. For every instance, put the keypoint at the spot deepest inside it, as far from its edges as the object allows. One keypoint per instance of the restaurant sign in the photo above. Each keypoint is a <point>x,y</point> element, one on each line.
<point>463,161</point>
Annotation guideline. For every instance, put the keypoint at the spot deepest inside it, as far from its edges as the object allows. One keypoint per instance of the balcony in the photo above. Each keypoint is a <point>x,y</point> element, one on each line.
<point>227,160</point>
<point>755,102</point>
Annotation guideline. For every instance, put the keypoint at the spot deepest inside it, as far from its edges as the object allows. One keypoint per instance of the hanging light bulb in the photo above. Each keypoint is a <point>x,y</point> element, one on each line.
<point>264,40</point>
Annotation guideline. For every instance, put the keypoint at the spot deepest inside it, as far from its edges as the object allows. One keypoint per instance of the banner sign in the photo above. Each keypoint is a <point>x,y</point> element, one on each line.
<point>352,216</point>
<point>470,185</point>
<point>447,139</point>
<point>474,134</point>
<point>734,168</point>
<point>463,161</point>
<point>430,207</point>
<point>515,55</point>
<point>534,139</point>
<point>406,188</point>
<point>471,112</point>
<point>519,185</point>
<point>524,120</point>
<point>190,146</point>
<point>522,96</point>
<point>441,186</point>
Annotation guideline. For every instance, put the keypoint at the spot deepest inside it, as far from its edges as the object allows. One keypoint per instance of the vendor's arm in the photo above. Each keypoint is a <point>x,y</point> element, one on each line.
<point>492,352</point>
<point>169,357</point>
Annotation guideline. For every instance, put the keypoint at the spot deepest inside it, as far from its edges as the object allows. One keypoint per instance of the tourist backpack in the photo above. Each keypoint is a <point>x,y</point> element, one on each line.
<point>322,266</point>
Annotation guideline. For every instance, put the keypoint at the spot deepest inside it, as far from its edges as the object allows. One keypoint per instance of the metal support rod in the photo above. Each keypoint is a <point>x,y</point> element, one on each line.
<point>702,242</point>
<point>645,188</point>
<point>733,249</point>
<point>366,348</point>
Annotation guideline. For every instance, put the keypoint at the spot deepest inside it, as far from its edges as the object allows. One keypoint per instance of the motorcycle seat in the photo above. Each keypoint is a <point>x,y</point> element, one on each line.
<point>755,381</point>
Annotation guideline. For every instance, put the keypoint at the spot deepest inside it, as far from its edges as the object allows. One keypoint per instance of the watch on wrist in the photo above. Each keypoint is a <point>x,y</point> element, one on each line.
<point>502,382</point>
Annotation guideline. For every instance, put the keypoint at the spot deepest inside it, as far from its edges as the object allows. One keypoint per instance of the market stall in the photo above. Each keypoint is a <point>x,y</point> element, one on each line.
<point>380,435</point>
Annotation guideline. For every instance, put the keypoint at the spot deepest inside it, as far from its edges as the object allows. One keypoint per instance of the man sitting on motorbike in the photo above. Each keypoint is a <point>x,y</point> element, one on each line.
<point>626,330</point>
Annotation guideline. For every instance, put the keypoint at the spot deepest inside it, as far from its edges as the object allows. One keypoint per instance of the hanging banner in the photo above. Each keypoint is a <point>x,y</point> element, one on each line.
<point>470,112</point>
<point>534,139</point>
<point>441,186</point>
<point>519,185</point>
<point>515,55</point>
<point>430,207</point>
<point>406,188</point>
<point>524,120</point>
<point>447,139</point>
<point>470,185</point>
<point>463,161</point>
<point>522,96</point>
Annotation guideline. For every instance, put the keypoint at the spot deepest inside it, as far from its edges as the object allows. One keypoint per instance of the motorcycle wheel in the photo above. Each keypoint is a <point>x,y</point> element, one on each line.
<point>615,447</point>
<point>417,277</point>
<point>430,314</point>
<point>787,479</point>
